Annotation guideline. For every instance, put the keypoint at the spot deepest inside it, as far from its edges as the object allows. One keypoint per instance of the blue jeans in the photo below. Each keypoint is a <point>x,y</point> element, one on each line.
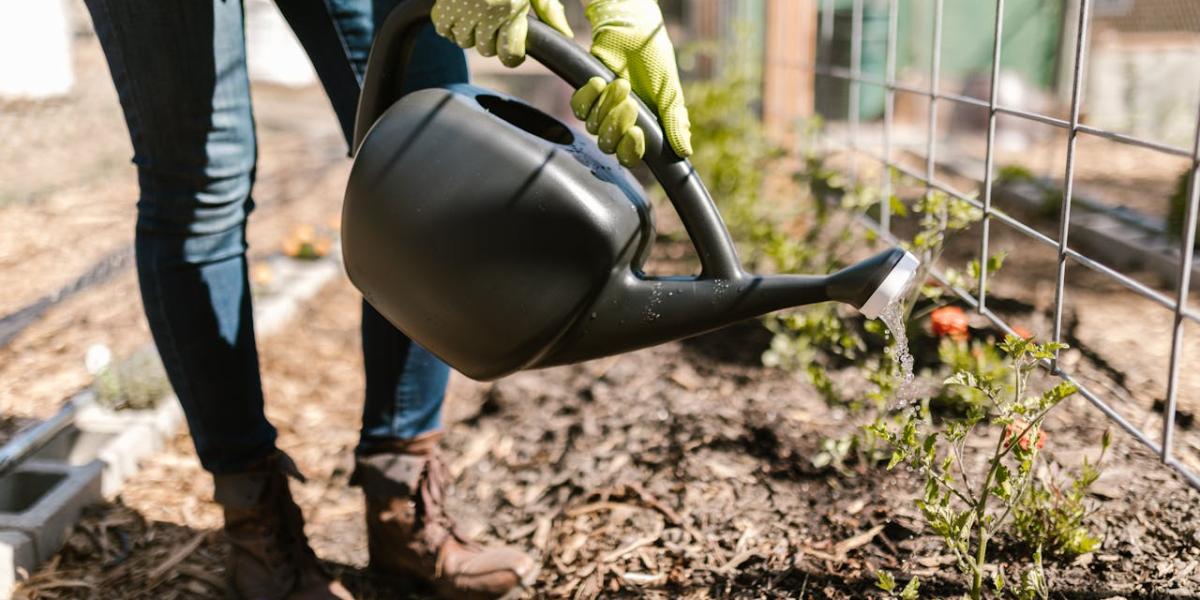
<point>179,67</point>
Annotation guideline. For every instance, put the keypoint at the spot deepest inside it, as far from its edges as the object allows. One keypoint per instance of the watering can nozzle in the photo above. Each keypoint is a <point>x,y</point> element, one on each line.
<point>875,283</point>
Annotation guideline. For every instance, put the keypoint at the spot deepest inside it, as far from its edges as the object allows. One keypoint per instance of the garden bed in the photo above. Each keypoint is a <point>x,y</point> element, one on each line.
<point>683,470</point>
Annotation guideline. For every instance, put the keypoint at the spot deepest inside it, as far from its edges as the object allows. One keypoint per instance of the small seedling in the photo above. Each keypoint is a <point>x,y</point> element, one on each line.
<point>887,583</point>
<point>137,382</point>
<point>1053,514</point>
<point>1178,207</point>
<point>967,508</point>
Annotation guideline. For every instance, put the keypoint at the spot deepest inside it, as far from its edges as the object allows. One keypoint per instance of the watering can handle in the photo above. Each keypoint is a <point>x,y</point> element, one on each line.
<point>385,72</point>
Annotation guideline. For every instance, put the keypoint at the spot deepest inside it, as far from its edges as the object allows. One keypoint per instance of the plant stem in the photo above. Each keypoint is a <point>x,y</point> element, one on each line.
<point>980,557</point>
<point>925,311</point>
<point>981,522</point>
<point>1015,499</point>
<point>958,454</point>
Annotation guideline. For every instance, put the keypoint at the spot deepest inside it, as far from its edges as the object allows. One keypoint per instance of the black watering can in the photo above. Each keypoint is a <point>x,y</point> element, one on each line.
<point>501,239</point>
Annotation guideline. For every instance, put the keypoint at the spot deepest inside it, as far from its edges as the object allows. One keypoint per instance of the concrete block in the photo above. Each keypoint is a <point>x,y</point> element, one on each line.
<point>42,500</point>
<point>75,446</point>
<point>40,33</point>
<point>17,560</point>
<point>120,452</point>
<point>123,456</point>
<point>273,54</point>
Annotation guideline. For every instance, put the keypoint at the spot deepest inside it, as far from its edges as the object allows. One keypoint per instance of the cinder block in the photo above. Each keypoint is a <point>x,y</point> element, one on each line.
<point>75,446</point>
<point>16,552</point>
<point>120,451</point>
<point>42,499</point>
<point>123,455</point>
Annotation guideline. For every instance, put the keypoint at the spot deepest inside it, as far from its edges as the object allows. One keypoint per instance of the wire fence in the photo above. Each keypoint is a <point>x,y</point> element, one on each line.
<point>1177,302</point>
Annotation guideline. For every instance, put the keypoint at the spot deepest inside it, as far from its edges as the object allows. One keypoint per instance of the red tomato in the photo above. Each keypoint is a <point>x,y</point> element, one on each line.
<point>1011,431</point>
<point>949,321</point>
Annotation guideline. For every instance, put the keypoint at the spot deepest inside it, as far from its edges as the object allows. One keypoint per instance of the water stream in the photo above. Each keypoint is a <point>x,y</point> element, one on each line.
<point>893,318</point>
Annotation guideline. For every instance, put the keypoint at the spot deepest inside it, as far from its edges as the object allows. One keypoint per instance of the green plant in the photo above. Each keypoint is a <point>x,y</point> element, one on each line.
<point>733,151</point>
<point>1053,514</point>
<point>1008,174</point>
<point>1177,214</point>
<point>968,509</point>
<point>1051,202</point>
<point>974,356</point>
<point>887,583</point>
<point>809,339</point>
<point>940,213</point>
<point>134,383</point>
<point>835,452</point>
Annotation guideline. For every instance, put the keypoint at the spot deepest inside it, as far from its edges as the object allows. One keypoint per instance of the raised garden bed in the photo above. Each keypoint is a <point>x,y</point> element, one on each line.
<point>680,471</point>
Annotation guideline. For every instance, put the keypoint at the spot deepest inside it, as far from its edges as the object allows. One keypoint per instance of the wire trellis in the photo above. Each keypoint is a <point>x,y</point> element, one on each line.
<point>1178,303</point>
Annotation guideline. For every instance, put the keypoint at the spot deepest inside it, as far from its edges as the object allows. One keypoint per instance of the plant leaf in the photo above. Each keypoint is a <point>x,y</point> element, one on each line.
<point>885,581</point>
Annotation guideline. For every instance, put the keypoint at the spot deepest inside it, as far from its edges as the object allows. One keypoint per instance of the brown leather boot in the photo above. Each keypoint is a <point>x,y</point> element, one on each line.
<point>409,533</point>
<point>270,558</point>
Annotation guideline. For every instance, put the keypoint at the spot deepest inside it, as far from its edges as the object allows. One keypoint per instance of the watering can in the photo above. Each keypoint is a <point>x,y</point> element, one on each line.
<point>501,239</point>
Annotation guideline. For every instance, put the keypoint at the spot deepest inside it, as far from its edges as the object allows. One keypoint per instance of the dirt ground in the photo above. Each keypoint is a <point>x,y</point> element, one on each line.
<point>1111,173</point>
<point>678,471</point>
<point>67,195</point>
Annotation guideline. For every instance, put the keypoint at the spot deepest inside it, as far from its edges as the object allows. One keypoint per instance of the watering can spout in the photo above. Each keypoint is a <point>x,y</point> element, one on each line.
<point>635,312</point>
<point>873,284</point>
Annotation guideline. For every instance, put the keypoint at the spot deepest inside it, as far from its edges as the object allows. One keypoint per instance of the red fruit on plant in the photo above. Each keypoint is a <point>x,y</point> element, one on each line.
<point>1014,429</point>
<point>949,321</point>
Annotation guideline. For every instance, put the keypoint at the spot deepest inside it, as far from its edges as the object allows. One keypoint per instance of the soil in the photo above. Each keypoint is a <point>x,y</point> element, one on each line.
<point>678,471</point>
<point>1111,173</point>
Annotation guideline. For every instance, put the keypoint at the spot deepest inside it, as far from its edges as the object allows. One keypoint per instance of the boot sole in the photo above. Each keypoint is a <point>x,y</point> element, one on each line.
<point>525,585</point>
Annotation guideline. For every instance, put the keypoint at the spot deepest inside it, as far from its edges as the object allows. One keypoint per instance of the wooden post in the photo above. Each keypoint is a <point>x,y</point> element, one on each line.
<point>704,27</point>
<point>789,57</point>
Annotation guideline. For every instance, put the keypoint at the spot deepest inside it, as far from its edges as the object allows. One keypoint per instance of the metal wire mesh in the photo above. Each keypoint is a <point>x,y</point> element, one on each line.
<point>1176,302</point>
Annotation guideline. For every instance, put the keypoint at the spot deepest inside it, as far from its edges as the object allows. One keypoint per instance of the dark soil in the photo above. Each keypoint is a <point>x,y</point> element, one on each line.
<point>678,471</point>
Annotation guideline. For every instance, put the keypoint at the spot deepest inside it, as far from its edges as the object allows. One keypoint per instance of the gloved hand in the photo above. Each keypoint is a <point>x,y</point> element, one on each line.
<point>629,37</point>
<point>611,115</point>
<point>495,26</point>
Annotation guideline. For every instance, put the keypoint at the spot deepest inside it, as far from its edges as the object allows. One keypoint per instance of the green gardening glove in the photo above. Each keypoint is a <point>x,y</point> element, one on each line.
<point>629,37</point>
<point>495,26</point>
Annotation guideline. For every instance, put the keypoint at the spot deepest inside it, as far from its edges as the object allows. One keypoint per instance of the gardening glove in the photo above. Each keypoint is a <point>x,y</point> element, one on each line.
<point>629,37</point>
<point>495,26</point>
<point>611,114</point>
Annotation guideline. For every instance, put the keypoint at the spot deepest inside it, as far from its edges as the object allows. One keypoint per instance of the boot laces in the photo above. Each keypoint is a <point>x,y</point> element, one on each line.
<point>431,489</point>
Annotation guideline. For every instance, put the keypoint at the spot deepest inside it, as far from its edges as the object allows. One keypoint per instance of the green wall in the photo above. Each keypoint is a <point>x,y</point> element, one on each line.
<point>1032,29</point>
<point>1030,45</point>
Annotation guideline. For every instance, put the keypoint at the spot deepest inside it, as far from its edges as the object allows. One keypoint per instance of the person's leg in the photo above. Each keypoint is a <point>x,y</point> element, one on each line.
<point>179,69</point>
<point>405,384</point>
<point>404,480</point>
<point>180,74</point>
